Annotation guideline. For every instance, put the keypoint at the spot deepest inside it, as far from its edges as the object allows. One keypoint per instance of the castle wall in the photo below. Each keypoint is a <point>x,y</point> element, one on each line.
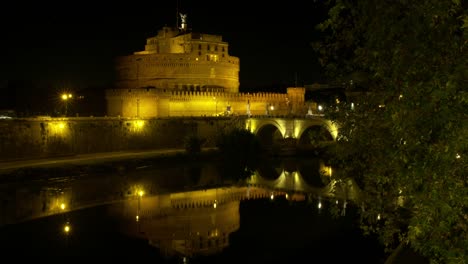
<point>164,103</point>
<point>177,71</point>
<point>38,138</point>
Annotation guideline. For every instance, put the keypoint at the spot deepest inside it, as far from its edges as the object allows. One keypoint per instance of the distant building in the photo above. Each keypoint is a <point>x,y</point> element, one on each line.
<point>184,73</point>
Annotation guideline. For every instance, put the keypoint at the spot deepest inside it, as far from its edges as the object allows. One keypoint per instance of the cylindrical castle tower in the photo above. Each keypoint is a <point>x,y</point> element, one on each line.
<point>176,59</point>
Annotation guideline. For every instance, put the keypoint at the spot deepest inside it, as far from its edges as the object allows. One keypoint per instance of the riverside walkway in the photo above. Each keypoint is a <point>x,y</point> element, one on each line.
<point>92,158</point>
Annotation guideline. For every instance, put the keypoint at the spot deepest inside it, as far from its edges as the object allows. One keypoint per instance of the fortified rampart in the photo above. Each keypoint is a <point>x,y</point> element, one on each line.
<point>151,102</point>
<point>49,137</point>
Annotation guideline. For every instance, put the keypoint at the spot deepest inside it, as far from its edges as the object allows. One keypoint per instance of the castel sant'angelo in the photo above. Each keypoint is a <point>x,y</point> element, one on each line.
<point>186,73</point>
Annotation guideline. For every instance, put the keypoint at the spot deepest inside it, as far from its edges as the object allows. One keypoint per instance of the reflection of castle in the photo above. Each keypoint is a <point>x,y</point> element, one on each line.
<point>184,73</point>
<point>187,223</point>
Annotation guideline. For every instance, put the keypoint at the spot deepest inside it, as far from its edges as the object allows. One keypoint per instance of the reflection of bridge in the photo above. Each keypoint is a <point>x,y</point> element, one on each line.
<point>271,129</point>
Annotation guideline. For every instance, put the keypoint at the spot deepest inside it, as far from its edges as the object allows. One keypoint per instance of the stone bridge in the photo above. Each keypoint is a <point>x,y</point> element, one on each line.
<point>275,129</point>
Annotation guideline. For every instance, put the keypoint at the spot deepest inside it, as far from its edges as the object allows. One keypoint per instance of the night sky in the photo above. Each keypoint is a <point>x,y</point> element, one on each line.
<point>49,47</point>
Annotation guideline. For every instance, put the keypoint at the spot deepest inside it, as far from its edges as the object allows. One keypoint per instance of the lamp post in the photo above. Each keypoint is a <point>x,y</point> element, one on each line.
<point>65,98</point>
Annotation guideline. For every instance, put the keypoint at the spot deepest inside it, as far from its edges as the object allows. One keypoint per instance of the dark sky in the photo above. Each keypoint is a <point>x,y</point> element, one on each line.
<point>72,44</point>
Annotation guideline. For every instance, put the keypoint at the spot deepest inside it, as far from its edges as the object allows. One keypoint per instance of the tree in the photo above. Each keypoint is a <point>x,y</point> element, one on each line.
<point>405,141</point>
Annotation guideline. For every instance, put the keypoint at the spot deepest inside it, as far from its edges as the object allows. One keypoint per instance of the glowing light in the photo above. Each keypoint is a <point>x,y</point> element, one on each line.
<point>67,228</point>
<point>141,193</point>
<point>137,218</point>
<point>138,125</point>
<point>378,217</point>
<point>62,206</point>
<point>458,156</point>
<point>287,196</point>
<point>272,197</point>
<point>215,204</point>
<point>66,96</point>
<point>336,202</point>
<point>58,128</point>
<point>352,106</point>
<point>320,108</point>
<point>319,205</point>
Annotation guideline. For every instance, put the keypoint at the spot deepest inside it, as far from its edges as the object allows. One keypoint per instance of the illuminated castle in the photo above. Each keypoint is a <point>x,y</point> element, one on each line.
<point>184,73</point>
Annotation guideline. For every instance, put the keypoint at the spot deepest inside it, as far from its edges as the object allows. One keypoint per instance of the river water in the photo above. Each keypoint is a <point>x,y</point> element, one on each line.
<point>285,211</point>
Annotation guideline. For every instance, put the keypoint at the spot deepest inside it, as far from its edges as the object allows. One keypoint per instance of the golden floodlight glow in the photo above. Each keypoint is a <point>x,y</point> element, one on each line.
<point>141,193</point>
<point>67,228</point>
<point>138,125</point>
<point>272,196</point>
<point>137,218</point>
<point>215,204</point>
<point>62,206</point>
<point>58,128</point>
<point>64,97</point>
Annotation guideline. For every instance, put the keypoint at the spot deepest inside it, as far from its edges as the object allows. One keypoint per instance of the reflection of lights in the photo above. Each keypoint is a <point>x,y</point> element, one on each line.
<point>67,228</point>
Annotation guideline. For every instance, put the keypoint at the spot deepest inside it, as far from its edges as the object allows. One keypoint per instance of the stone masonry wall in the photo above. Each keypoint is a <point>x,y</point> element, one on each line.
<point>49,137</point>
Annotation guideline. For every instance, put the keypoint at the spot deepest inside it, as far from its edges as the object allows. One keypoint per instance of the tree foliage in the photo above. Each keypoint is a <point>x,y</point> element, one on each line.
<point>405,141</point>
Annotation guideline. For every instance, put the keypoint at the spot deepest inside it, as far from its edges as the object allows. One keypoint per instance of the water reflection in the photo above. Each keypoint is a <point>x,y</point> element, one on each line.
<point>185,211</point>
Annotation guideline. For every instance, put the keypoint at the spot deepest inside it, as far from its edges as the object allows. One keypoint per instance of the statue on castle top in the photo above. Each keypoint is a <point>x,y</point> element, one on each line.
<point>183,18</point>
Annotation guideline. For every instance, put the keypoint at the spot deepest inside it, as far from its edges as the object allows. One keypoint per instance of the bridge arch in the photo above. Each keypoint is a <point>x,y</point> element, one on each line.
<point>313,134</point>
<point>269,133</point>
<point>290,127</point>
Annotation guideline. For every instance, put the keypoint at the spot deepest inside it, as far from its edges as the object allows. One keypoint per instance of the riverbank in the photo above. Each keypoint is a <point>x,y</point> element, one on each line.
<point>100,162</point>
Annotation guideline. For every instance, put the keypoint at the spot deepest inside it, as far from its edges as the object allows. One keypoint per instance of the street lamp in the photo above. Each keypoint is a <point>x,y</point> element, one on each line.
<point>66,97</point>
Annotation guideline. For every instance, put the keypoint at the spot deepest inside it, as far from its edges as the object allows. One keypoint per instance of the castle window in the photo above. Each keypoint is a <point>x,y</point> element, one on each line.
<point>223,49</point>
<point>199,46</point>
<point>216,48</point>
<point>199,54</point>
<point>208,47</point>
<point>223,55</point>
